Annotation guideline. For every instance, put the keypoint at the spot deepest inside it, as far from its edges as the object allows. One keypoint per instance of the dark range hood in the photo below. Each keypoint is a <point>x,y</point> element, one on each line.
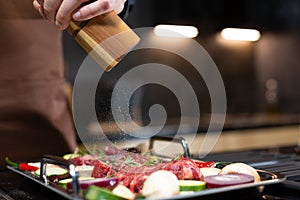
<point>218,14</point>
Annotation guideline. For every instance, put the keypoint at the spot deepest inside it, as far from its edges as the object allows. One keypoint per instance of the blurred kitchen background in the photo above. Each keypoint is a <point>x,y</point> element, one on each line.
<point>261,77</point>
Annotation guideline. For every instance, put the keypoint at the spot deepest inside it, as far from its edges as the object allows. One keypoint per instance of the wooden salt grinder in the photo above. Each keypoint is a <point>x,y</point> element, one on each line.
<point>107,38</point>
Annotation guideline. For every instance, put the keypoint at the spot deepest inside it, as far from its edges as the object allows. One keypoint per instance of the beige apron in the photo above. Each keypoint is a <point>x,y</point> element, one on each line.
<point>34,116</point>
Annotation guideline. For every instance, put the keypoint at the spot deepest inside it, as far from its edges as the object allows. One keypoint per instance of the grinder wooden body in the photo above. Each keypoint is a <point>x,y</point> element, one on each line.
<point>107,38</point>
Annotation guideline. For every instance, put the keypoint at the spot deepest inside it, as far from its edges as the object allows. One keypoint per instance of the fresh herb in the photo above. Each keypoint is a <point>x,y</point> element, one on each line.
<point>110,176</point>
<point>101,155</point>
<point>82,151</point>
<point>220,165</point>
<point>130,161</point>
<point>152,161</point>
<point>177,157</point>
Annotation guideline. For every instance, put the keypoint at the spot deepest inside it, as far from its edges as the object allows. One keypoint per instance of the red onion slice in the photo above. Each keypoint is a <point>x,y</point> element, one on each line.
<point>223,180</point>
<point>100,182</point>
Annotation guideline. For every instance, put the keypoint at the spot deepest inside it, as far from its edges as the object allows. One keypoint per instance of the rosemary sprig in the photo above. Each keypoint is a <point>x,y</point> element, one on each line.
<point>130,161</point>
<point>177,157</point>
<point>152,162</point>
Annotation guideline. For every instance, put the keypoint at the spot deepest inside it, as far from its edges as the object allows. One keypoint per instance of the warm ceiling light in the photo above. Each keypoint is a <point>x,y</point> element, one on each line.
<point>240,34</point>
<point>176,31</point>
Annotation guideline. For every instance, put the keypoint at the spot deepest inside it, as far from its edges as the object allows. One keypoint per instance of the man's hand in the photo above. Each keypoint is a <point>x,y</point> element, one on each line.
<point>61,12</point>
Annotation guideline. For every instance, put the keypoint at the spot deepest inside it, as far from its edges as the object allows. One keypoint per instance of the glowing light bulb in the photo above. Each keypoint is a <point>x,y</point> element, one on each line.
<point>240,34</point>
<point>176,31</point>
